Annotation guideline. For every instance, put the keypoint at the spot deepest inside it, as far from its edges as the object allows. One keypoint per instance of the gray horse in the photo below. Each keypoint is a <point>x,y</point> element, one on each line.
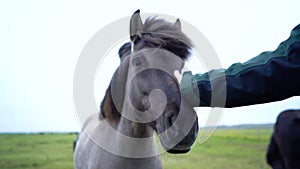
<point>142,99</point>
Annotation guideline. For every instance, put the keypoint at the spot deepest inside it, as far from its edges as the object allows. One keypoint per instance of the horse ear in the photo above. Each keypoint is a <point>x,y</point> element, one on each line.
<point>177,24</point>
<point>136,24</point>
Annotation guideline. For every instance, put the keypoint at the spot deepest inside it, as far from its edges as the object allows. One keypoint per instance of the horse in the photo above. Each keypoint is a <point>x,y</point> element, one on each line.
<point>143,98</point>
<point>284,148</point>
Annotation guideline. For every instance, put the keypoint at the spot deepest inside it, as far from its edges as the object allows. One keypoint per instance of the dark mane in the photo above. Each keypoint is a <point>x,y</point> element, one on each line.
<point>158,33</point>
<point>107,107</point>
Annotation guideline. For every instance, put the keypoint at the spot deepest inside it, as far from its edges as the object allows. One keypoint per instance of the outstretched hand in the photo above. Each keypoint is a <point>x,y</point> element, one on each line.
<point>187,86</point>
<point>178,74</point>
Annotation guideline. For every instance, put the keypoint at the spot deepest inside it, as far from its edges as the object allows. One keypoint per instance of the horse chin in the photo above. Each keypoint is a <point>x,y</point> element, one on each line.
<point>174,151</point>
<point>178,149</point>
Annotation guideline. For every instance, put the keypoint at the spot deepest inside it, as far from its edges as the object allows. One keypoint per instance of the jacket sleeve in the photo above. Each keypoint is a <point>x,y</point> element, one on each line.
<point>270,76</point>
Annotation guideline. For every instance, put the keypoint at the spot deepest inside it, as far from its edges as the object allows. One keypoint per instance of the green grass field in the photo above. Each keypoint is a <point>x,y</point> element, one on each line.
<point>226,149</point>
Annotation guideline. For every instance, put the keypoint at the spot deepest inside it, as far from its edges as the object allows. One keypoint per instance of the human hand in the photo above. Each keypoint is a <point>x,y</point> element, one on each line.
<point>188,86</point>
<point>178,75</point>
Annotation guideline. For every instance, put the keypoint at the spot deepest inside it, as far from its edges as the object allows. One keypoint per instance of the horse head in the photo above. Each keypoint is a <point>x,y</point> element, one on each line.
<point>144,89</point>
<point>162,48</point>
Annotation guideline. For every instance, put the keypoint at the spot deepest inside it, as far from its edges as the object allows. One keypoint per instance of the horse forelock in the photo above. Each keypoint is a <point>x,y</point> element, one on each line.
<point>158,33</point>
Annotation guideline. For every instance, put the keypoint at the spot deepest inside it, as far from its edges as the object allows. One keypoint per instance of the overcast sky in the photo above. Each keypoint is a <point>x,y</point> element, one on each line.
<point>40,42</point>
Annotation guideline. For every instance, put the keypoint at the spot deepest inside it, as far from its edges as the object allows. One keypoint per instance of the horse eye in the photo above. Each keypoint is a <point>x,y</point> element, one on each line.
<point>136,62</point>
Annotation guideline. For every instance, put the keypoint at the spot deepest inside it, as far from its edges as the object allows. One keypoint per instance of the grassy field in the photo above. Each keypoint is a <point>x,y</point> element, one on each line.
<point>226,149</point>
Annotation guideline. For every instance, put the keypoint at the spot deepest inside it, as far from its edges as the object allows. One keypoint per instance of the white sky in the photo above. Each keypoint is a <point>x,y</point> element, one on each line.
<point>40,42</point>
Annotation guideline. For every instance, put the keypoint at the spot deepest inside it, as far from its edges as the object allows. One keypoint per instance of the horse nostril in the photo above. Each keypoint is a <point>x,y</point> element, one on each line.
<point>172,130</point>
<point>171,119</point>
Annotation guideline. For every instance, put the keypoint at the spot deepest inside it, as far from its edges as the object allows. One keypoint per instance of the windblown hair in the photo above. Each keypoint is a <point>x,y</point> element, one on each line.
<point>158,33</point>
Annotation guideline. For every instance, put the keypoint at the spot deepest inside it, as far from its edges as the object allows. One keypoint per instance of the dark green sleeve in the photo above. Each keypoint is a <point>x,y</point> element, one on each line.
<point>270,76</point>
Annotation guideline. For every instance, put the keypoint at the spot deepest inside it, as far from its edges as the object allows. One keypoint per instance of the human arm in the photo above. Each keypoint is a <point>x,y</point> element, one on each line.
<point>270,76</point>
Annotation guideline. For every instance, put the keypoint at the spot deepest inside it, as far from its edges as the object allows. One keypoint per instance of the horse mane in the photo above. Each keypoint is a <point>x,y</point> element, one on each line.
<point>108,109</point>
<point>158,33</point>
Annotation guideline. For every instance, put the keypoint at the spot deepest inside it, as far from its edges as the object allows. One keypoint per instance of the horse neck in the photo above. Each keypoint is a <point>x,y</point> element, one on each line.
<point>134,129</point>
<point>137,146</point>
